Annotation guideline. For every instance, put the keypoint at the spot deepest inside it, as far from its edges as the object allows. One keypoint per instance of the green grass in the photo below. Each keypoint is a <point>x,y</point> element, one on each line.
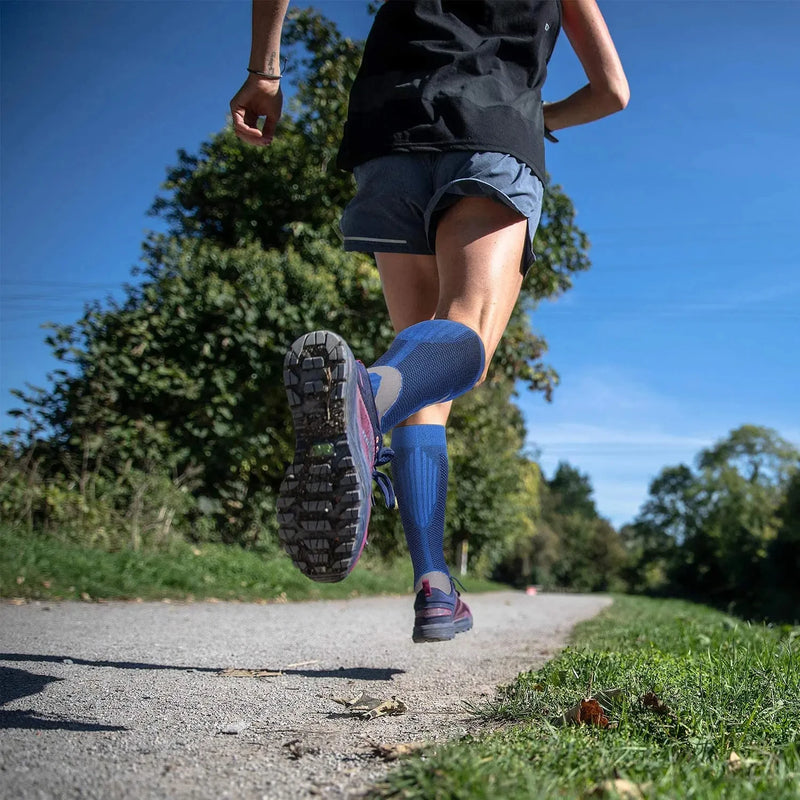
<point>730,686</point>
<point>40,567</point>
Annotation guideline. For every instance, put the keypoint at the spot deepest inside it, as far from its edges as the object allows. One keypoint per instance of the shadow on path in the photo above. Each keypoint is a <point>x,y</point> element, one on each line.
<point>17,683</point>
<point>28,720</point>
<point>351,673</point>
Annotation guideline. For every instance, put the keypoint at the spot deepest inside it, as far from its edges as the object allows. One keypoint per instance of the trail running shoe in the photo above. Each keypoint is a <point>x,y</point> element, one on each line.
<point>438,616</point>
<point>325,498</point>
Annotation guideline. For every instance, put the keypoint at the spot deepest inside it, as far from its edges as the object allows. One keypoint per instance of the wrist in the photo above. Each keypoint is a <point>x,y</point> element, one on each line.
<point>263,75</point>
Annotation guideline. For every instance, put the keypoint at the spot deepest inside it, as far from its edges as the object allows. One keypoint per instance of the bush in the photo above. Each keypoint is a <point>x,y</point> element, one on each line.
<point>135,509</point>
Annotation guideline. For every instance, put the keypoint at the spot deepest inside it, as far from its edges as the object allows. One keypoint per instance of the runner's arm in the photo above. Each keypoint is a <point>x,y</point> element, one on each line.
<point>607,90</point>
<point>261,96</point>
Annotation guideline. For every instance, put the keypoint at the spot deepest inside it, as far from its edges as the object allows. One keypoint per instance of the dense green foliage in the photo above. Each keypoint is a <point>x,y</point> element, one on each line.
<point>728,531</point>
<point>570,544</point>
<point>729,688</point>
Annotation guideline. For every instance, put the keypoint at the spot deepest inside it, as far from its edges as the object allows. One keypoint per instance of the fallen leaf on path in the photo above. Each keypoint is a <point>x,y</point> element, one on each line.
<point>297,749</point>
<point>232,672</point>
<point>391,707</point>
<point>362,702</point>
<point>370,707</point>
<point>391,752</point>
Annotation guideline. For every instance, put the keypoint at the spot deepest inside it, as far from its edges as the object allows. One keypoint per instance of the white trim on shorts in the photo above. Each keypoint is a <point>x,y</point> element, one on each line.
<point>373,239</point>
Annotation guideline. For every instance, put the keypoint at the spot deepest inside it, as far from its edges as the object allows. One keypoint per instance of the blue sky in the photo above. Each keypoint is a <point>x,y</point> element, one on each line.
<point>688,323</point>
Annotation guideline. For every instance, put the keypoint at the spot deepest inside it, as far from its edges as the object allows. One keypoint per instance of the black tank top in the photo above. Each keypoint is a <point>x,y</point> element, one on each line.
<point>441,75</point>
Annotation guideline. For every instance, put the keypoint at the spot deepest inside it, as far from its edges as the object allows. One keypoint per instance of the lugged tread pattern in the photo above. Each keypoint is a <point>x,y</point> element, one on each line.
<point>320,501</point>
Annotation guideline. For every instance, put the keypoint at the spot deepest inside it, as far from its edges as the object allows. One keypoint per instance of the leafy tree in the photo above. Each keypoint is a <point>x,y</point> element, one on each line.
<point>757,455</point>
<point>186,371</point>
<point>782,566</point>
<point>532,545</point>
<point>572,492</point>
<point>591,554</point>
<point>716,524</point>
<point>485,434</point>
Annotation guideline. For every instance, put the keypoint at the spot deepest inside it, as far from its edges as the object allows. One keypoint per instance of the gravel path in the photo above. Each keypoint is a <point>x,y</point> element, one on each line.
<point>124,700</point>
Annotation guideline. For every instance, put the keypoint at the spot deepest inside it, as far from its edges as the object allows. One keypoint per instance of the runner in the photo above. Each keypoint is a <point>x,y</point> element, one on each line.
<point>445,136</point>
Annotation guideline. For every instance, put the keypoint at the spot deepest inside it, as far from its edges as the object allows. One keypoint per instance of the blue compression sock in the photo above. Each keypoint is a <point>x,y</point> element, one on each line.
<point>420,472</point>
<point>430,362</point>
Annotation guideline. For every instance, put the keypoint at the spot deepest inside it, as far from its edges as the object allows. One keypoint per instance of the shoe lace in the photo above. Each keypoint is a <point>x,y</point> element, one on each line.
<point>384,456</point>
<point>457,582</point>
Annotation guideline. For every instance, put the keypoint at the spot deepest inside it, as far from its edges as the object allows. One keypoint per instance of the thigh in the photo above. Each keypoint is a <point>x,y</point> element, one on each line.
<point>480,245</point>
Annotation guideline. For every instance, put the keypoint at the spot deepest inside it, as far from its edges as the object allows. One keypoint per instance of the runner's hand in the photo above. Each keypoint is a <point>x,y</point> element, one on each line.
<point>258,97</point>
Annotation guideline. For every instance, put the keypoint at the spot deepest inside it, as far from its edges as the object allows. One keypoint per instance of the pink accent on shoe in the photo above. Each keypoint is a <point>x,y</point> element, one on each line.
<point>428,613</point>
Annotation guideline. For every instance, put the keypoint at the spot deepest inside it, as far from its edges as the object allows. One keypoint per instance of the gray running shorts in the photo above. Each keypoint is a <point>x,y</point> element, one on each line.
<point>402,196</point>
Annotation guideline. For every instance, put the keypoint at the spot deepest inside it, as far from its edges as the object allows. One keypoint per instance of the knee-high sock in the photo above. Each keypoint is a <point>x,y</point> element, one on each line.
<point>430,362</point>
<point>420,472</point>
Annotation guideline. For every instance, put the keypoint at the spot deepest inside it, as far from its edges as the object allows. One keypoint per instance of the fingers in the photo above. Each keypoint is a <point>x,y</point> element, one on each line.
<point>252,102</point>
<point>268,131</point>
<point>244,125</point>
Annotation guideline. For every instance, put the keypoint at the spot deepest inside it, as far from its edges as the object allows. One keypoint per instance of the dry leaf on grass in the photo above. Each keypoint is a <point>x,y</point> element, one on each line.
<point>587,712</point>
<point>370,707</point>
<point>652,703</point>
<point>735,762</point>
<point>619,787</point>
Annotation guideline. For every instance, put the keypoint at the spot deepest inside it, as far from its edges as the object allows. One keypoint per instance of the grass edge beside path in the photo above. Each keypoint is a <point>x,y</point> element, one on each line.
<point>35,567</point>
<point>707,708</point>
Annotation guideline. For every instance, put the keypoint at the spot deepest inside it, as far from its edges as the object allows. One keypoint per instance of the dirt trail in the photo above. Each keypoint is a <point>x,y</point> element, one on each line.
<point>124,700</point>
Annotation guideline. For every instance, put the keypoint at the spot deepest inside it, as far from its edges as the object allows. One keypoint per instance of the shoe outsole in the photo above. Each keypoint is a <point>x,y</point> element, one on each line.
<point>440,632</point>
<point>323,507</point>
